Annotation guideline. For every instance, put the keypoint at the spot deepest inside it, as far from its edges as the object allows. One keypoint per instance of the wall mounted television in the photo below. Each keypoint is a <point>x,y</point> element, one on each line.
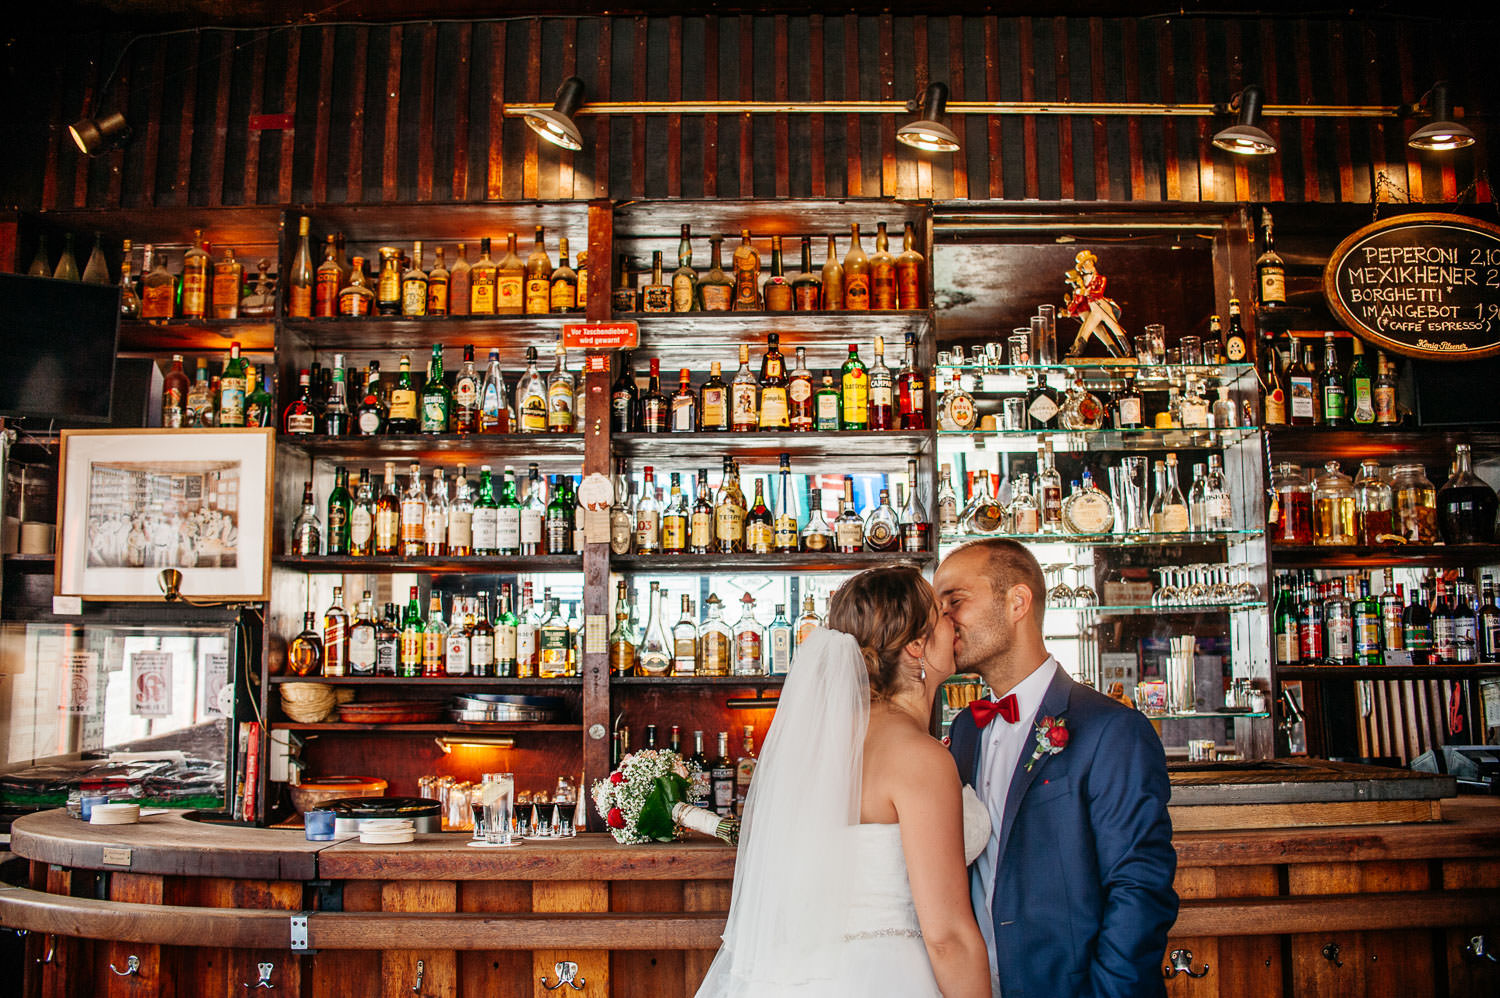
<point>57,348</point>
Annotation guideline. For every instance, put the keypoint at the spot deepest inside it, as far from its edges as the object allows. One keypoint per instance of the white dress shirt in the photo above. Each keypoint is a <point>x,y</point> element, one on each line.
<point>1000,747</point>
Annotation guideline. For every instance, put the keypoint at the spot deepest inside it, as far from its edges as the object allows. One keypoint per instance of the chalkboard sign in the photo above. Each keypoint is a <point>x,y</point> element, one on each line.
<point>1424,285</point>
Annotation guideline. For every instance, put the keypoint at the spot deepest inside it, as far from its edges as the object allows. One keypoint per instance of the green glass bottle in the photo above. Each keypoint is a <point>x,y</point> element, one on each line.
<point>340,511</point>
<point>402,417</point>
<point>409,664</point>
<point>437,401</point>
<point>260,406</point>
<point>828,405</point>
<point>1360,394</point>
<point>856,391</point>
<point>483,524</point>
<point>559,525</point>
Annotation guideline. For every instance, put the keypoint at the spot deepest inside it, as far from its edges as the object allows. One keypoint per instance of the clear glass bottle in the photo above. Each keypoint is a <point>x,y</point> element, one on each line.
<point>684,278</point>
<point>1169,507</point>
<point>685,641</point>
<point>1216,511</point>
<point>744,396</point>
<point>304,653</point>
<point>1466,504</point>
<point>730,511</point>
<point>1338,626</point>
<point>364,639</point>
<point>746,263</point>
<point>622,644</point>
<point>388,515</point>
<point>848,528</point>
<point>778,643</point>
<point>561,392</point>
<point>1192,406</point>
<point>1081,408</point>
<point>435,520</point>
<point>531,397</point>
<point>947,501</point>
<point>1333,507</point>
<point>817,534</point>
<point>1088,510</point>
<point>882,527</point>
<point>307,529</point>
<point>654,657</point>
<point>916,528</point>
<point>1023,515</point>
<point>648,516</point>
<point>749,637</point>
<point>1049,488</point>
<point>715,640</point>
<point>414,516</point>
<point>984,513</point>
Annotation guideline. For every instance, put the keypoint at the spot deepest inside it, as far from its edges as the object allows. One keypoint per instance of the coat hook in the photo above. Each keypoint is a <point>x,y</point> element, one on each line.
<point>1331,954</point>
<point>1479,950</point>
<point>132,966</point>
<point>1182,963</point>
<point>565,971</point>
<point>416,988</point>
<point>265,970</point>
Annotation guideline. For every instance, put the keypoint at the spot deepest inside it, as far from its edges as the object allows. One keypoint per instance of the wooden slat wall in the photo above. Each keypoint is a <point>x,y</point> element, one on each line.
<point>413,112</point>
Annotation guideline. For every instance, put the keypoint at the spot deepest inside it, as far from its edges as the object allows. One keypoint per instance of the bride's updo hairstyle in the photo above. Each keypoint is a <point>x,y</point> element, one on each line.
<point>884,609</point>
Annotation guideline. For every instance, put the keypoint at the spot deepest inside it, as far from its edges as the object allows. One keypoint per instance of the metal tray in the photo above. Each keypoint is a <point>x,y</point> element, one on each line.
<point>497,712</point>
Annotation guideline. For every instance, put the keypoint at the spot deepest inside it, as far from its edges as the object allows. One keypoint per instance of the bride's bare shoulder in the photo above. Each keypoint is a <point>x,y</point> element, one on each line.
<point>907,751</point>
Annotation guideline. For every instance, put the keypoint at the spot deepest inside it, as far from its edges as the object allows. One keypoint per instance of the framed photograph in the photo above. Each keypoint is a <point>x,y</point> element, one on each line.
<point>133,502</point>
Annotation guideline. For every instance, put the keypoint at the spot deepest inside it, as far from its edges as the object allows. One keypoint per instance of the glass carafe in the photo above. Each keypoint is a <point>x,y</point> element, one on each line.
<point>1465,504</point>
<point>1291,506</point>
<point>983,514</point>
<point>1374,505</point>
<point>1333,507</point>
<point>1416,504</point>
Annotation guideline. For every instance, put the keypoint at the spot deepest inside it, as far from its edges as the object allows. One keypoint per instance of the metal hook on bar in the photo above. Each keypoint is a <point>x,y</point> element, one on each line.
<point>565,971</point>
<point>416,988</point>
<point>132,966</point>
<point>1182,963</point>
<point>265,970</point>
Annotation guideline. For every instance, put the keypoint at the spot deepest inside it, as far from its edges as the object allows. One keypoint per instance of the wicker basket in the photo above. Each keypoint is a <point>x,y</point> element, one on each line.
<point>308,703</point>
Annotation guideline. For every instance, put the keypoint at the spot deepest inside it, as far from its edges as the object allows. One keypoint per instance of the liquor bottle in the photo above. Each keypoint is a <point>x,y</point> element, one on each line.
<point>304,653</point>
<point>356,298</point>
<point>624,298</point>
<point>506,512</point>
<point>370,418</point>
<point>947,501</point>
<point>1129,410</point>
<point>512,277</point>
<point>1366,612</point>
<point>715,640</point>
<point>388,641</point>
<point>828,405</point>
<point>307,531</point>
<point>911,390</point>
<point>685,647</point>
<point>41,264</point>
<point>484,291</point>
<point>531,397</point>
<point>674,519</point>
<point>459,516</point>
<point>434,635</point>
<point>414,285</point>
<point>817,533</point>
<point>413,516</point>
<point>561,392</point>
<point>624,398</point>
<point>130,302</point>
<point>364,638</point>
<point>1284,624</point>
<point>198,409</point>
<point>1334,393</point>
<point>388,515</point>
<point>1169,508</point>
<point>502,637</point>
<point>654,656</point>
<point>1216,510</point>
<point>533,514</point>
<point>158,287</point>
<point>404,409</point>
<point>484,518</point>
<point>746,263</point>
<point>1444,626</point>
<point>456,639</point>
<point>340,513</point>
<point>1269,270</point>
<point>848,528</point>
<point>807,284</point>
<point>1416,628</point>
<point>656,296</point>
<point>299,284</point>
<point>1465,504</point>
<point>362,517</point>
<point>648,516</point>
<point>224,287</point>
<point>1392,602</point>
<point>774,404</point>
<point>1305,406</point>
<point>744,396</point>
<point>1310,629</point>
<point>438,280</point>
<point>388,282</point>
<point>538,276</point>
<point>883,292</point>
<point>409,660</point>
<point>466,394</point>
<point>460,282</point>
<point>260,406</point>
<point>1049,489</point>
<point>744,770</point>
<point>701,787</point>
<point>329,281</point>
<point>621,512</point>
<point>909,272</point>
<point>335,421</point>
<point>684,416</point>
<point>730,511</point>
<point>1042,404</point>
<point>1383,391</point>
<point>856,274</point>
<point>1487,632</point>
<point>855,391</point>
<point>336,636</point>
<point>833,278</point>
<point>784,525</point>
<point>881,386</point>
<point>495,414</point>
<point>1236,349</point>
<point>806,622</point>
<point>778,643</point>
<point>760,529</point>
<point>1087,510</point>
<point>559,520</point>
<point>882,527</point>
<point>713,400</point>
<point>1360,390</point>
<point>437,401</point>
<point>563,292</point>
<point>1275,380</point>
<point>721,780</point>
<point>655,408</point>
<point>1465,625</point>
<point>684,278</point>
<point>1338,626</point>
<point>716,289</point>
<point>749,638</point>
<point>435,520</point>
<point>174,392</point>
<point>776,292</point>
<point>799,392</point>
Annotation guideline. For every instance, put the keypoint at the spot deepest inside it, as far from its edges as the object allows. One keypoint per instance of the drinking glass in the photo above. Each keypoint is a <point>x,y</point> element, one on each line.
<point>1083,593</point>
<point>1156,337</point>
<point>1043,349</point>
<point>498,791</point>
<point>1058,594</point>
<point>1020,348</point>
<point>1133,494</point>
<point>1192,350</point>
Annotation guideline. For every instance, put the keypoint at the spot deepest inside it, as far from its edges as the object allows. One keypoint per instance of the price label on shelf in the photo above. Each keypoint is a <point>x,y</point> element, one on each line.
<point>601,335</point>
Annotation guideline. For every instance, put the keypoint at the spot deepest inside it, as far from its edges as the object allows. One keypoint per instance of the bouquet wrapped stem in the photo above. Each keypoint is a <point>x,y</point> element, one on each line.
<point>646,799</point>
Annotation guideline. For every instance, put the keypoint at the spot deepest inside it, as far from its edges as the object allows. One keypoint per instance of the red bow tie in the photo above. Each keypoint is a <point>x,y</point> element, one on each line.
<point>985,710</point>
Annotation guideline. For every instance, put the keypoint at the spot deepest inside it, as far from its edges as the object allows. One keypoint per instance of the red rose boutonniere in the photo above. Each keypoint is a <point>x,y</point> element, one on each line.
<point>1051,738</point>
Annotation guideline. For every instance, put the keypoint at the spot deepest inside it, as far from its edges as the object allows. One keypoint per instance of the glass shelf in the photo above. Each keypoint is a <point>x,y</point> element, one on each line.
<point>1147,376</point>
<point>1113,540</point>
<point>1145,438</point>
<point>736,564</point>
<point>476,564</point>
<point>424,682</point>
<point>1134,609</point>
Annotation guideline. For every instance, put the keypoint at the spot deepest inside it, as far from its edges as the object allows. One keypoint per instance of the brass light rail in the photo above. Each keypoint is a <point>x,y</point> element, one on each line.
<point>1120,108</point>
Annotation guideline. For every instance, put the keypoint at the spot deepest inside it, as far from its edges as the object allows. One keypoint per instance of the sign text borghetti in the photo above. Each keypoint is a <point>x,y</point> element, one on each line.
<point>601,335</point>
<point>1424,285</point>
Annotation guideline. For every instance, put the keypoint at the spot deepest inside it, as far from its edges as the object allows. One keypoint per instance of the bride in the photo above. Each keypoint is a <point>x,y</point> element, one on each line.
<point>851,875</point>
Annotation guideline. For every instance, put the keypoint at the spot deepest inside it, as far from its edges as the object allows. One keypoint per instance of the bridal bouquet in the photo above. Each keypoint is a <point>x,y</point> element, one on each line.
<point>647,799</point>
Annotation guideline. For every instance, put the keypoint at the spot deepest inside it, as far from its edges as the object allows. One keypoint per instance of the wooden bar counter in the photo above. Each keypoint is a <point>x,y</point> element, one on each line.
<point>199,909</point>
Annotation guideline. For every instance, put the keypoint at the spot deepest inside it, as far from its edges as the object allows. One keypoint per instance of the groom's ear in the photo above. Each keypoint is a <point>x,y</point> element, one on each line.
<point>1018,602</point>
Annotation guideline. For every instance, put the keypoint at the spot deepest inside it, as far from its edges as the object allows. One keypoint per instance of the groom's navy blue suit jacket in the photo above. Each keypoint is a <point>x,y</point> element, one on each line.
<point>1083,894</point>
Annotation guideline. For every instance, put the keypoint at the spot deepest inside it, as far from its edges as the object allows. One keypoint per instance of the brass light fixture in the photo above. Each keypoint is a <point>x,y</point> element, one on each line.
<point>556,125</point>
<point>929,134</point>
<point>1246,137</point>
<point>96,135</point>
<point>450,742</point>
<point>1442,133</point>
<point>757,702</point>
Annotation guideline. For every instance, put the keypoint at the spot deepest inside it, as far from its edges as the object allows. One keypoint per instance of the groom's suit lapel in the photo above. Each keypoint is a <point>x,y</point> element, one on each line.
<point>1054,704</point>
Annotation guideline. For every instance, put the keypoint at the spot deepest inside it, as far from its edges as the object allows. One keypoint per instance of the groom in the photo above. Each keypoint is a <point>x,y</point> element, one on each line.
<point>1074,892</point>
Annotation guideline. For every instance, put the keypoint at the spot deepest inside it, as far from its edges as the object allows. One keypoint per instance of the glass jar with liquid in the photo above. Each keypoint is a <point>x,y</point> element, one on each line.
<point>1290,515</point>
<point>1334,507</point>
<point>1374,506</point>
<point>1416,504</point>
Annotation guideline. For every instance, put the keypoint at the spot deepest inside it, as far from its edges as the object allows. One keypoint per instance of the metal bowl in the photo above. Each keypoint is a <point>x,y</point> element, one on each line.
<point>497,712</point>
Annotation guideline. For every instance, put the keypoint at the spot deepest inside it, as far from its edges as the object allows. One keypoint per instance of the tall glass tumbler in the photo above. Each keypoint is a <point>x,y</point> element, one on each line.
<point>498,794</point>
<point>1048,315</point>
<point>1133,498</point>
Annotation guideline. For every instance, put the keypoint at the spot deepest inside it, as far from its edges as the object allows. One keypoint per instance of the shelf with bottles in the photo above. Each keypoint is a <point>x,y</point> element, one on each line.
<point>751,682</point>
<point>1159,610</point>
<point>429,682</point>
<point>508,334</point>
<point>1097,372</point>
<point>1388,673</point>
<point>424,565</point>
<point>1315,444</point>
<point>453,728</point>
<point>197,336</point>
<point>741,562</point>
<point>1114,439</point>
<point>451,449</point>
<point>765,446</point>
<point>1112,540</point>
<point>1369,556</point>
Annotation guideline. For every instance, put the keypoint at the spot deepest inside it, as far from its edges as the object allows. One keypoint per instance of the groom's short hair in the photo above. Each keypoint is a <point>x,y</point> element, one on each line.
<point>1009,563</point>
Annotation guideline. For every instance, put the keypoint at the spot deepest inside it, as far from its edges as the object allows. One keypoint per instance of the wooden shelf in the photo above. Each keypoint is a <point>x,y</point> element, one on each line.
<point>788,218</point>
<point>392,334</point>
<point>1315,556</point>
<point>825,334</point>
<point>1387,672</point>
<point>1314,445</point>
<point>735,564</point>
<point>1146,439</point>
<point>200,336</point>
<point>758,682</point>
<point>436,728</point>
<point>478,565</point>
<point>445,448</point>
<point>29,563</point>
<point>854,449</point>
<point>432,682</point>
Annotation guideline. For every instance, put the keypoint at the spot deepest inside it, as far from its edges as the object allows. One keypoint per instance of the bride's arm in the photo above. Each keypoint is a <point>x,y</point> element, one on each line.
<point>925,790</point>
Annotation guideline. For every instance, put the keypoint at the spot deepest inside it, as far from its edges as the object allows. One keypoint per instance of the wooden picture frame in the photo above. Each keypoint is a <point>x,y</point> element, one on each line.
<point>131,503</point>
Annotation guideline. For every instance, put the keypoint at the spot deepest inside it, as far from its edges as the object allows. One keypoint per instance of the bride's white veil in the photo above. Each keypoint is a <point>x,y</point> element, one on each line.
<point>794,872</point>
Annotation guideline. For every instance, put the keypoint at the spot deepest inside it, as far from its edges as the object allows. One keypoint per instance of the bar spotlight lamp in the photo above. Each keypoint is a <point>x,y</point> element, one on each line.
<point>929,133</point>
<point>96,135</point>
<point>1442,133</point>
<point>556,125</point>
<point>1245,137</point>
